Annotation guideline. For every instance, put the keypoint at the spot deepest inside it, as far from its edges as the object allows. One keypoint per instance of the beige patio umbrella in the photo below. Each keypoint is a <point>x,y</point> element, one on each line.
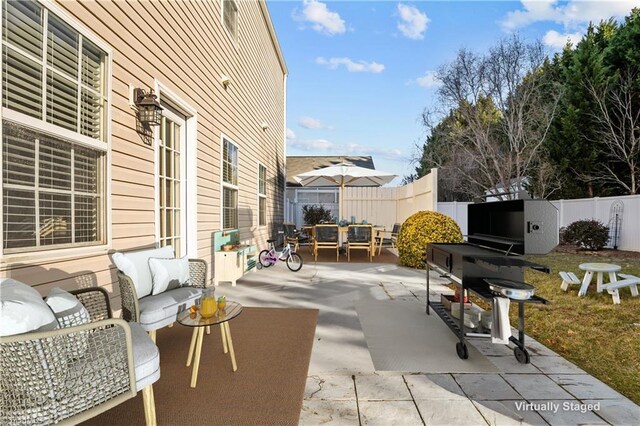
<point>341,175</point>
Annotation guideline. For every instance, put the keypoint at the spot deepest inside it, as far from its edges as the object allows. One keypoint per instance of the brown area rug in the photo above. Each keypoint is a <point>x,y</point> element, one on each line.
<point>273,349</point>
<point>357,256</point>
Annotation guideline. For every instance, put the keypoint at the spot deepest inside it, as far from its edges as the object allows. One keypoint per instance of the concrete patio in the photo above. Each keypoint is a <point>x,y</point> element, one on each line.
<point>343,387</point>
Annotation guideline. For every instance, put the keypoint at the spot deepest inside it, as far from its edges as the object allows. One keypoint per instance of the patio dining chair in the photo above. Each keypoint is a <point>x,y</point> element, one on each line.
<point>388,238</point>
<point>326,237</point>
<point>360,237</point>
<point>291,236</point>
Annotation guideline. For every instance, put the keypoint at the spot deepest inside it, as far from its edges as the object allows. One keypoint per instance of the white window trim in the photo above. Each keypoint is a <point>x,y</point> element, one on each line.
<point>224,184</point>
<point>234,40</point>
<point>259,195</point>
<point>191,183</point>
<point>67,253</point>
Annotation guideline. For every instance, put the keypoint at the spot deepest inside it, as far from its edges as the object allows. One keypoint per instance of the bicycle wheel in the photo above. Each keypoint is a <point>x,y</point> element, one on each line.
<point>265,258</point>
<point>294,262</point>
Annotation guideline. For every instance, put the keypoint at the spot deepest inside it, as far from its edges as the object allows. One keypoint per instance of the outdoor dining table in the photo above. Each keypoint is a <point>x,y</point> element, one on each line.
<point>600,269</point>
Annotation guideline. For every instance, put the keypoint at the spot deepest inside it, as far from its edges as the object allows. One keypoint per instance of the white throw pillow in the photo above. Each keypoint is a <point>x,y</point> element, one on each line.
<point>69,312</point>
<point>168,273</point>
<point>136,266</point>
<point>22,309</point>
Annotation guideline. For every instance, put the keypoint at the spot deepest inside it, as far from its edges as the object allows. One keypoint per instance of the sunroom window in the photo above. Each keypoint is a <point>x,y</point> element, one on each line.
<point>54,107</point>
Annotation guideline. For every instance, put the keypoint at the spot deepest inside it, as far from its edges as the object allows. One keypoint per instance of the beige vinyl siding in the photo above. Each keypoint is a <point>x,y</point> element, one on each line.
<point>185,47</point>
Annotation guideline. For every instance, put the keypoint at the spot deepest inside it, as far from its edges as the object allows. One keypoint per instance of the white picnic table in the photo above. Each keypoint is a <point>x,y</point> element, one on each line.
<point>600,269</point>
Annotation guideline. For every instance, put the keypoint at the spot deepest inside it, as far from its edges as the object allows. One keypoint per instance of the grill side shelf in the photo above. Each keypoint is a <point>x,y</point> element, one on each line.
<point>479,287</point>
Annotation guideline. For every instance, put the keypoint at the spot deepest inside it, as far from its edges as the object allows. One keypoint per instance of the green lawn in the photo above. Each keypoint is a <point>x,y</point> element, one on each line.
<point>593,333</point>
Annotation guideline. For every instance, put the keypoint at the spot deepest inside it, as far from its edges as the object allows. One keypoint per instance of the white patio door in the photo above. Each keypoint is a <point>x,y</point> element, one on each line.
<point>171,183</point>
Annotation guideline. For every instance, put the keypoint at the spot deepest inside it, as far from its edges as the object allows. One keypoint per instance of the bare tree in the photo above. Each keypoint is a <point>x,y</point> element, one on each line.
<point>618,117</point>
<point>545,181</point>
<point>503,110</point>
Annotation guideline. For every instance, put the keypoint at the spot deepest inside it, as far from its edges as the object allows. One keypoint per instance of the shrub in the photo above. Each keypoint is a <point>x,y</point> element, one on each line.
<point>422,228</point>
<point>590,234</point>
<point>314,214</point>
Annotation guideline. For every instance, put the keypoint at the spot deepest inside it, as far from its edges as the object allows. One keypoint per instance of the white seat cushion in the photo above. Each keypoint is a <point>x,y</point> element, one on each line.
<point>22,309</point>
<point>160,310</point>
<point>146,357</point>
<point>136,266</point>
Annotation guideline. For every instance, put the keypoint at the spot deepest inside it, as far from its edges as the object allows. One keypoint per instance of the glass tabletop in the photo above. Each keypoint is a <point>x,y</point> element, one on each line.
<point>232,310</point>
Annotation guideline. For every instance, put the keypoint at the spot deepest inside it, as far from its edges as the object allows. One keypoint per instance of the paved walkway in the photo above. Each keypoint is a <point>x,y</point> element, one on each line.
<point>343,387</point>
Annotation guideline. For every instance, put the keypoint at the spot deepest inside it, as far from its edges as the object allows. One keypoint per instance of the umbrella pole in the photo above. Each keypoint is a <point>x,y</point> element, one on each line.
<point>340,200</point>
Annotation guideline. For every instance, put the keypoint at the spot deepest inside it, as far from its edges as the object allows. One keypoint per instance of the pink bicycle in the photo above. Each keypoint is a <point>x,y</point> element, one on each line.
<point>270,257</point>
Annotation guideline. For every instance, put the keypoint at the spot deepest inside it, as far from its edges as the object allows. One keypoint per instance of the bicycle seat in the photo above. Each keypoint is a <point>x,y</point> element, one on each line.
<point>271,241</point>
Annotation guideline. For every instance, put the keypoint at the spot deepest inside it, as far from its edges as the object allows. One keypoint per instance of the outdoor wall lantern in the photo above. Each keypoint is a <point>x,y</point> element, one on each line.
<point>149,109</point>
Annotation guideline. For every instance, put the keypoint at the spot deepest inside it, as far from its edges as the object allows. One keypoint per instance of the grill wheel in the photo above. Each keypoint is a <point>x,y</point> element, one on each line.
<point>522,355</point>
<point>461,349</point>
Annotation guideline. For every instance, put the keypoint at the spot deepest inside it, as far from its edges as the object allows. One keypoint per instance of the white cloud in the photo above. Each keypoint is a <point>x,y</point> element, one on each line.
<point>572,15</point>
<point>351,65</point>
<point>429,80</point>
<point>312,123</point>
<point>557,41</point>
<point>321,18</point>
<point>328,147</point>
<point>311,145</point>
<point>290,134</point>
<point>413,23</point>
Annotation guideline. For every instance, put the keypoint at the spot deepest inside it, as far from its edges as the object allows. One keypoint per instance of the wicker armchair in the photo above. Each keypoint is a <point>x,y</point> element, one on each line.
<point>41,384</point>
<point>133,307</point>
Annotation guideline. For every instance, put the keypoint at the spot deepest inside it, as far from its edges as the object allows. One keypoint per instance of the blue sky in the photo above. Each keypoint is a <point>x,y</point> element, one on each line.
<point>361,73</point>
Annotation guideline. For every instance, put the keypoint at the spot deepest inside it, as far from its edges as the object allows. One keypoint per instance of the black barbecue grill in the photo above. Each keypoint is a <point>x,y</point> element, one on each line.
<point>489,264</point>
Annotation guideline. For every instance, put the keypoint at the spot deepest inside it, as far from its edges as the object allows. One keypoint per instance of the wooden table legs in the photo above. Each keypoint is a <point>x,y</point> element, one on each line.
<point>198,333</point>
<point>227,330</point>
<point>195,349</point>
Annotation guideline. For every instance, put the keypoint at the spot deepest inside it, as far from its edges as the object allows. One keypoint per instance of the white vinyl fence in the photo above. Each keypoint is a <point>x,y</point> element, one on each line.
<point>378,206</point>
<point>602,209</point>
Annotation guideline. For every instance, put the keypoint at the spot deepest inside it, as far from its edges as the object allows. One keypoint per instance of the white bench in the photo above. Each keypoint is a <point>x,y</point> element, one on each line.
<point>568,278</point>
<point>630,281</point>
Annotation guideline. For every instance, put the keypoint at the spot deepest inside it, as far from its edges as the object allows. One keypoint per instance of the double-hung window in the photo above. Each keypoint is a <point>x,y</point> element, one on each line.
<point>229,185</point>
<point>262,195</point>
<point>230,17</point>
<point>54,109</point>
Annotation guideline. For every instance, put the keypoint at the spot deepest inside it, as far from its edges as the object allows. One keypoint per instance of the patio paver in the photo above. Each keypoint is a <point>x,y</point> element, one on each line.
<point>584,386</point>
<point>535,386</point>
<point>389,413</point>
<point>501,413</point>
<point>555,365</point>
<point>565,416</point>
<point>332,387</point>
<point>385,388</point>
<point>617,411</point>
<point>329,412</point>
<point>486,387</point>
<point>453,412</point>
<point>434,386</point>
